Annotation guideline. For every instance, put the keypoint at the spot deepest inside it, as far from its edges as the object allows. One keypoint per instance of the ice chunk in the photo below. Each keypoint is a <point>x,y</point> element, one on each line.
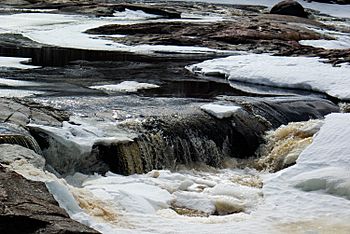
<point>125,86</point>
<point>220,111</point>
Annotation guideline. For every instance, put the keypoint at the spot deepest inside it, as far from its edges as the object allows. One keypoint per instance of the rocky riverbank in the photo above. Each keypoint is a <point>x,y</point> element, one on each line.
<point>103,86</point>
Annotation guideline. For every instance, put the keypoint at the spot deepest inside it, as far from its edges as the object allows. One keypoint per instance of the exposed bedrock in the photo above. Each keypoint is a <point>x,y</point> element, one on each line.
<point>16,114</point>
<point>165,142</point>
<point>28,207</point>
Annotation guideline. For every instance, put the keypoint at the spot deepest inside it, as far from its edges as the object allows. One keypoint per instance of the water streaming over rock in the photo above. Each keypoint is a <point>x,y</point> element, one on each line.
<point>23,140</point>
<point>165,142</point>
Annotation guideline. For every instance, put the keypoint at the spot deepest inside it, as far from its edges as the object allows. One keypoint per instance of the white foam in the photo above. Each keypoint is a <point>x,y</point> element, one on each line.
<point>220,111</point>
<point>126,86</point>
<point>290,72</point>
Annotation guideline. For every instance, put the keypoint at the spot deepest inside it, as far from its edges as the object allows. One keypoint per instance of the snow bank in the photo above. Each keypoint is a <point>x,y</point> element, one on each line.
<point>220,111</point>
<point>291,72</point>
<point>318,185</point>
<point>125,86</point>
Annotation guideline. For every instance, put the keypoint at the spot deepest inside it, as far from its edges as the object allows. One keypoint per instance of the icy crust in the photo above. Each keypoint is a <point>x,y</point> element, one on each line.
<point>125,87</point>
<point>220,110</point>
<point>291,72</point>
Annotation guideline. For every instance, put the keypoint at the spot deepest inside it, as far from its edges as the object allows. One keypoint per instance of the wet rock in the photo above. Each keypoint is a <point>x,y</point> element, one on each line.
<point>27,207</point>
<point>289,7</point>
<point>20,112</point>
<point>15,114</point>
<point>249,33</point>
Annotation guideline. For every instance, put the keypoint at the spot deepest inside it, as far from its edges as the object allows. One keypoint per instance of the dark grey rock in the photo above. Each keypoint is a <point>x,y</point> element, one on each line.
<point>289,7</point>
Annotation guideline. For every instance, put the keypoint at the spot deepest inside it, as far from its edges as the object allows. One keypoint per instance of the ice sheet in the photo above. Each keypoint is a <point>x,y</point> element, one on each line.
<point>289,72</point>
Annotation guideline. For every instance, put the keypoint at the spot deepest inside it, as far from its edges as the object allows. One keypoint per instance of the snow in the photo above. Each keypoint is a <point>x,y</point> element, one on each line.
<point>220,111</point>
<point>125,86</point>
<point>11,62</point>
<point>341,40</point>
<point>291,72</point>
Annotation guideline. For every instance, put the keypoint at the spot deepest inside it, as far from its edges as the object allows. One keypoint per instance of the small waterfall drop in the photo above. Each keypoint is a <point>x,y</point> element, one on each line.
<point>22,140</point>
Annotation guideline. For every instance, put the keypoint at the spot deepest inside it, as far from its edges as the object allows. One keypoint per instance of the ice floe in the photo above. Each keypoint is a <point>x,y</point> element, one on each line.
<point>291,72</point>
<point>12,62</point>
<point>125,87</point>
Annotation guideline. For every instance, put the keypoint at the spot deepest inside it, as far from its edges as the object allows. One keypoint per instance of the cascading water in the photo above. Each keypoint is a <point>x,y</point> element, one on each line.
<point>23,140</point>
<point>166,141</point>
